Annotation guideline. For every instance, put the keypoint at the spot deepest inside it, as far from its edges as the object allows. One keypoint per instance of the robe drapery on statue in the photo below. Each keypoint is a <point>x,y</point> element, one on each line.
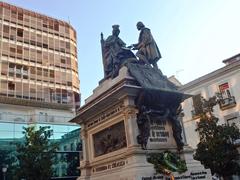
<point>147,46</point>
<point>114,53</point>
<point>111,50</point>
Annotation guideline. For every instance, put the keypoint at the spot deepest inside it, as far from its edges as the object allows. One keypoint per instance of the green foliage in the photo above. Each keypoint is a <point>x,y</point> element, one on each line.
<point>216,149</point>
<point>7,159</point>
<point>73,160</point>
<point>36,154</point>
<point>167,162</point>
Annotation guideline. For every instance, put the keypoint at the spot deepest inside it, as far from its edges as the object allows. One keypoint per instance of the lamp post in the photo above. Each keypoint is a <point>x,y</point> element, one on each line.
<point>4,170</point>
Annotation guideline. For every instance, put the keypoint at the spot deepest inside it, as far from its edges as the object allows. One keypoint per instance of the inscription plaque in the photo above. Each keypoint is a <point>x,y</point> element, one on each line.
<point>110,139</point>
<point>160,135</point>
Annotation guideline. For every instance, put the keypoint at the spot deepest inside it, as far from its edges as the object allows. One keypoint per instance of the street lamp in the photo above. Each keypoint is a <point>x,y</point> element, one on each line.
<point>4,170</point>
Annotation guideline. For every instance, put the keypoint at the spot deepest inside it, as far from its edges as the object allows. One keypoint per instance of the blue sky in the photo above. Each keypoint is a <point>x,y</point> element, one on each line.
<point>193,36</point>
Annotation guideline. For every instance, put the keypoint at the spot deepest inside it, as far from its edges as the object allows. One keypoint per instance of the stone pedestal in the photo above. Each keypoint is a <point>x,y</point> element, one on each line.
<point>109,133</point>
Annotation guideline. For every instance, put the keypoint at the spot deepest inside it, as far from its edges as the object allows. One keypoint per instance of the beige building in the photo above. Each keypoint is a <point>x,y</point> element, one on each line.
<point>225,81</point>
<point>39,81</point>
<point>38,60</point>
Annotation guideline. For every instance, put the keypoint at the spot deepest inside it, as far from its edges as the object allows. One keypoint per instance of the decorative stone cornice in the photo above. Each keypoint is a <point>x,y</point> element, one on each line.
<point>211,76</point>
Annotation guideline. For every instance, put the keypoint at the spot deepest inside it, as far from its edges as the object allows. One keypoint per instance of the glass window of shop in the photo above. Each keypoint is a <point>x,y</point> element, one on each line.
<point>66,159</point>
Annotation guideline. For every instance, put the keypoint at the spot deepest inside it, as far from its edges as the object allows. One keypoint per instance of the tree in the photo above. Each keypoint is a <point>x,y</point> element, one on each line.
<point>73,161</point>
<point>216,149</point>
<point>7,160</point>
<point>35,154</point>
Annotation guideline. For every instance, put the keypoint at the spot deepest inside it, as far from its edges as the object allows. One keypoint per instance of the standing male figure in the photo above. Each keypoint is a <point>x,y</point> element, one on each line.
<point>148,52</point>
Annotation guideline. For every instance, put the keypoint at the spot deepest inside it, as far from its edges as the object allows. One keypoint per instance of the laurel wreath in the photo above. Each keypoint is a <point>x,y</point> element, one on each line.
<point>167,162</point>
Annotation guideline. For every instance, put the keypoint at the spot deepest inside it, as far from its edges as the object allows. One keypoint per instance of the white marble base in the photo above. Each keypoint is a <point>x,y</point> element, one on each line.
<point>137,168</point>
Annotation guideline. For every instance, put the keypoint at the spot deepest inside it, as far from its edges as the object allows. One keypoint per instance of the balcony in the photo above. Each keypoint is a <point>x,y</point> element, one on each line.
<point>195,115</point>
<point>33,118</point>
<point>227,103</point>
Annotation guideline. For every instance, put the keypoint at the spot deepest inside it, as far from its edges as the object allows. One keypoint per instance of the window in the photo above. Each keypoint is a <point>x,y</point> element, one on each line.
<point>58,77</point>
<point>19,89</point>
<point>11,86</point>
<point>25,90</point>
<point>5,29</point>
<point>226,100</point>
<point>233,118</point>
<point>18,71</point>
<point>13,32</point>
<point>51,58</point>
<point>14,14</point>
<point>56,26</point>
<point>39,24</point>
<point>45,72</point>
<point>39,92</point>
<point>26,53</point>
<point>33,55</point>
<point>32,91</point>
<point>39,40</point>
<point>63,61</point>
<point>39,71</point>
<point>33,70</point>
<point>3,87</point>
<point>4,70</point>
<point>5,49</point>
<point>26,37</point>
<point>20,32</point>
<point>50,23</point>
<point>57,60</point>
<point>20,16</point>
<point>45,45</point>
<point>67,45</point>
<point>45,58</point>
<point>52,74</point>
<point>12,49</point>
<point>25,72</point>
<point>224,90</point>
<point>39,57</point>
<point>64,96</point>
<point>72,147</point>
<point>7,14</point>
<point>46,94</point>
<point>51,43</point>
<point>19,50</point>
<point>11,69</point>
<point>197,105</point>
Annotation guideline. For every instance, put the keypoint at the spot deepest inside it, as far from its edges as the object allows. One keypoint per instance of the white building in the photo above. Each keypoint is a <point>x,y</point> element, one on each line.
<point>226,81</point>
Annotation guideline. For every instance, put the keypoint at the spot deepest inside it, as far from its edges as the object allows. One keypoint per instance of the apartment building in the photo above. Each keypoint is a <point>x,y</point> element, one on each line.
<point>39,81</point>
<point>38,58</point>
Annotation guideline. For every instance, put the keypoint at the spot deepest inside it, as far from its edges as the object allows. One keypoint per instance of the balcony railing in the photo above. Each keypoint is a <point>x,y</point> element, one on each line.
<point>227,103</point>
<point>40,118</point>
<point>195,114</point>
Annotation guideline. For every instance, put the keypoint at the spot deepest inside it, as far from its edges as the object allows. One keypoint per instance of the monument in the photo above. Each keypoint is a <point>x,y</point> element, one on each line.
<point>130,125</point>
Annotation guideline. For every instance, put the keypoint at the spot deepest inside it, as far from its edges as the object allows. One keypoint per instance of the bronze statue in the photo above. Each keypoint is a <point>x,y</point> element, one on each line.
<point>159,100</point>
<point>114,51</point>
<point>161,113</point>
<point>148,52</point>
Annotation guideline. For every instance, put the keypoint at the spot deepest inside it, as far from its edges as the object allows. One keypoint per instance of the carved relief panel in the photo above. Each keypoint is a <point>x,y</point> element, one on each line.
<point>109,139</point>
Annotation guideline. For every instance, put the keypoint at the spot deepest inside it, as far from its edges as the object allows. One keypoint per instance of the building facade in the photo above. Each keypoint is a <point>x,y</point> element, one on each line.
<point>224,81</point>
<point>38,58</point>
<point>39,81</point>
